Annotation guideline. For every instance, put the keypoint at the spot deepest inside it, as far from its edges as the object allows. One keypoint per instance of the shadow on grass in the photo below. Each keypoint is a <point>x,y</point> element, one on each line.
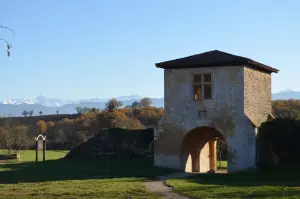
<point>62,169</point>
<point>279,182</point>
<point>281,176</point>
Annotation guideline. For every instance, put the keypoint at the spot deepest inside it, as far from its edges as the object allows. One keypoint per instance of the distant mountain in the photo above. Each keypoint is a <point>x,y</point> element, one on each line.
<point>41,100</point>
<point>15,107</point>
<point>55,102</point>
<point>286,94</point>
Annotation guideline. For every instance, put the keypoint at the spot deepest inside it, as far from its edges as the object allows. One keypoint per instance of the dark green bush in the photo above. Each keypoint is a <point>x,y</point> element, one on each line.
<point>280,136</point>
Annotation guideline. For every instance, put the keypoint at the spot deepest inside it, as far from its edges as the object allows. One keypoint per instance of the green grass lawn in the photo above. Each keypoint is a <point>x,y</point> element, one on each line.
<point>222,164</point>
<point>122,178</point>
<point>29,155</point>
<point>278,183</point>
<point>106,178</point>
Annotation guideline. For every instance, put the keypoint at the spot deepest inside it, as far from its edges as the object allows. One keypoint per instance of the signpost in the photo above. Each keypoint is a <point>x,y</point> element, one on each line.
<point>40,146</point>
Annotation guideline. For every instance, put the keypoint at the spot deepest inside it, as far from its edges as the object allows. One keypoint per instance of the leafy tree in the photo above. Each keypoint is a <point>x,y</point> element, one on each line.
<point>4,136</point>
<point>41,113</point>
<point>42,126</point>
<point>87,109</point>
<point>278,141</point>
<point>113,104</point>
<point>94,110</point>
<point>82,110</point>
<point>66,121</point>
<point>135,104</point>
<point>79,110</point>
<point>146,102</point>
<point>148,116</point>
<point>57,112</point>
<point>286,108</point>
<point>130,123</point>
<point>50,124</point>
<point>30,113</point>
<point>25,113</point>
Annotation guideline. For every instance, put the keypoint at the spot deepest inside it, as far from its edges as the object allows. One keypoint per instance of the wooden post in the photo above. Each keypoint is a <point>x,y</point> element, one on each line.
<point>36,152</point>
<point>213,154</point>
<point>44,150</point>
<point>38,148</point>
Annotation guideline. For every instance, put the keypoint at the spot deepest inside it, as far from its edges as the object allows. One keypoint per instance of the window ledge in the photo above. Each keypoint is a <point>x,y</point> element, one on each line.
<point>206,100</point>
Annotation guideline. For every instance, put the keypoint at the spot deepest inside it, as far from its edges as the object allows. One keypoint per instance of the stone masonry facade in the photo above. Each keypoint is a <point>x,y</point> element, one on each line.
<point>241,101</point>
<point>257,86</point>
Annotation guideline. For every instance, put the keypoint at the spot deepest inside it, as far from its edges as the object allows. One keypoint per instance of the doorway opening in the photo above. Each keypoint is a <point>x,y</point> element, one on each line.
<point>204,150</point>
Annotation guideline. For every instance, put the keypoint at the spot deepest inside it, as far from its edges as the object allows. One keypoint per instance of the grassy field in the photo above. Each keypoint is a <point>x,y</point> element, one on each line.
<point>122,178</point>
<point>277,183</point>
<point>106,178</point>
<point>29,156</point>
<point>222,164</point>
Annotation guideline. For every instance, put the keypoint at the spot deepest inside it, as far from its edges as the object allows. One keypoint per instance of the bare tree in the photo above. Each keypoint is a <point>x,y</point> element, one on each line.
<point>9,46</point>
<point>13,139</point>
<point>41,113</point>
<point>57,112</point>
<point>30,113</point>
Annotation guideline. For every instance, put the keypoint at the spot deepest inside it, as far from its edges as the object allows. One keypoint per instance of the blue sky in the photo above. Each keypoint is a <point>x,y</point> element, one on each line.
<point>95,48</point>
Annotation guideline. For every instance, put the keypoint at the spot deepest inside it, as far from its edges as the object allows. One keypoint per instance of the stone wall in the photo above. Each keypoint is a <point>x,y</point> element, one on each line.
<point>225,113</point>
<point>258,95</point>
<point>116,142</point>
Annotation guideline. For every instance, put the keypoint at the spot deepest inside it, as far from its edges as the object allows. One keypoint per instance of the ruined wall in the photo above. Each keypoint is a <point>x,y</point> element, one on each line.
<point>225,113</point>
<point>115,142</point>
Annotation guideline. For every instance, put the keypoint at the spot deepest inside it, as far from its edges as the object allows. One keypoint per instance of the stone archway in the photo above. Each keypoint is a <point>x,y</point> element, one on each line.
<point>198,150</point>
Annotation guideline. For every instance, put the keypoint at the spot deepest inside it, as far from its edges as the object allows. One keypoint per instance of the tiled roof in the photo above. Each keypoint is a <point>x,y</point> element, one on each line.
<point>212,59</point>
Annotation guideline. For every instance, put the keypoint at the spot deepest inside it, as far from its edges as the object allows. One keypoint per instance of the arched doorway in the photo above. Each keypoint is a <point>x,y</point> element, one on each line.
<point>199,150</point>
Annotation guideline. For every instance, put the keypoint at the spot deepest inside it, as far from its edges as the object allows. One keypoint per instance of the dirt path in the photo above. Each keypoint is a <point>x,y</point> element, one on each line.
<point>160,188</point>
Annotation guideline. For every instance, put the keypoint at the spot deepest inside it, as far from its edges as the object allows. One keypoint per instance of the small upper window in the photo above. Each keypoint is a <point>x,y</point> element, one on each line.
<point>202,88</point>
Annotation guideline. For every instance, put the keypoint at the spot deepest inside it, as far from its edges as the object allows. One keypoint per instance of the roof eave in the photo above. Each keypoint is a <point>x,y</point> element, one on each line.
<point>164,65</point>
<point>259,66</point>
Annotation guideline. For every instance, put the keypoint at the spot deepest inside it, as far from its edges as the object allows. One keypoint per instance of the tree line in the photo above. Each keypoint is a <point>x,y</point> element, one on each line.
<point>286,108</point>
<point>30,113</point>
<point>69,133</point>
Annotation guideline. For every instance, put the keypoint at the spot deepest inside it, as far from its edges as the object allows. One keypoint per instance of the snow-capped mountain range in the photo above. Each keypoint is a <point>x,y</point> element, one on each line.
<point>15,107</point>
<point>55,102</point>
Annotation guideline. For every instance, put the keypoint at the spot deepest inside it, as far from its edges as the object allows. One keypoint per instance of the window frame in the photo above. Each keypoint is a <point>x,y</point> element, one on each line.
<point>202,83</point>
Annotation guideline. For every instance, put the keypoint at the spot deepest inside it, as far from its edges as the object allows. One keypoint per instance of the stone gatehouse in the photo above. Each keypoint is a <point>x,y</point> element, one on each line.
<point>209,96</point>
